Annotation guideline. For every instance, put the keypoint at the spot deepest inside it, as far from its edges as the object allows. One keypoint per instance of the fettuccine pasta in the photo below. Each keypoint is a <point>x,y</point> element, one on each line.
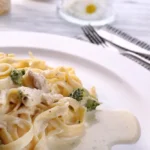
<point>38,102</point>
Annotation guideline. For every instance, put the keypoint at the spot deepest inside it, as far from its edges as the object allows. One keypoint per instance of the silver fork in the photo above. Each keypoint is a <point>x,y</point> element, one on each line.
<point>95,38</point>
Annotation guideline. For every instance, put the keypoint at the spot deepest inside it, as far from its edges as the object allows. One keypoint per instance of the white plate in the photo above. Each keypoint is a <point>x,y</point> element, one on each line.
<point>120,83</point>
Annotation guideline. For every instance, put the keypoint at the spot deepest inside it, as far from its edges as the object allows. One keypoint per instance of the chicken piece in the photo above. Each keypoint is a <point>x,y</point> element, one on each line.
<point>39,81</point>
<point>30,97</point>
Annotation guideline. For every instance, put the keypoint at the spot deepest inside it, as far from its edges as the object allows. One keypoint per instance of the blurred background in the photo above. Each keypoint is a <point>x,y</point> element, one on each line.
<point>132,16</point>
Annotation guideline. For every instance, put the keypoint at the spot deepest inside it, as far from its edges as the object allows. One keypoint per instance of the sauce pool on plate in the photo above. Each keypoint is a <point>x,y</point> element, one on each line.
<point>106,128</point>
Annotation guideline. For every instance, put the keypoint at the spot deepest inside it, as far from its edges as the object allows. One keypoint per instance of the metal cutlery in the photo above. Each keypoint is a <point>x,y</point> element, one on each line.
<point>95,38</point>
<point>124,40</point>
<point>128,37</point>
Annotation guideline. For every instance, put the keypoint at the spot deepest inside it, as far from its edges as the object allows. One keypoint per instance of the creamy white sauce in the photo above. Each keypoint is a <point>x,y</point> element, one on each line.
<point>105,129</point>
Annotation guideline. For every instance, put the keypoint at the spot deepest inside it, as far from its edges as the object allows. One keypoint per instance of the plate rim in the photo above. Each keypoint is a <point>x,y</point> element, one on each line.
<point>93,53</point>
<point>138,77</point>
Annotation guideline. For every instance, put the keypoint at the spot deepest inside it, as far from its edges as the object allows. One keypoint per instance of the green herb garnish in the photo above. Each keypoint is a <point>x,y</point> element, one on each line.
<point>82,94</point>
<point>91,104</point>
<point>78,94</point>
<point>16,76</point>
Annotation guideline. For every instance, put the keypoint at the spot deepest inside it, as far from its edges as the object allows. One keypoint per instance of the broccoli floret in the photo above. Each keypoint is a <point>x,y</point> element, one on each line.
<point>91,104</point>
<point>16,76</point>
<point>78,94</point>
<point>84,97</point>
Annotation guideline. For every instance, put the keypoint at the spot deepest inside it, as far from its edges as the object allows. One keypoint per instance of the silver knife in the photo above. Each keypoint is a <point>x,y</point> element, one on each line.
<point>136,42</point>
<point>123,40</point>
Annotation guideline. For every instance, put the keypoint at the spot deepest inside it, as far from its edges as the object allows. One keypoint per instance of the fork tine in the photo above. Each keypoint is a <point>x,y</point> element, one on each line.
<point>96,34</point>
<point>97,40</point>
<point>92,35</point>
<point>88,35</point>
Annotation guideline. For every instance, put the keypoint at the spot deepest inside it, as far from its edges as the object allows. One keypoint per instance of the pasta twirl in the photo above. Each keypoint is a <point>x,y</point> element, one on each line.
<point>36,103</point>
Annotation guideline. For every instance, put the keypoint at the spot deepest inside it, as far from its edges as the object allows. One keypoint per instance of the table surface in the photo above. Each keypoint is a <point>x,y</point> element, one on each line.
<point>133,17</point>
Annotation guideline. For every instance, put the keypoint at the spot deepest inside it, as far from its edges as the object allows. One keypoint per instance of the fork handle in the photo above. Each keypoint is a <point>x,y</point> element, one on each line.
<point>142,58</point>
<point>126,52</point>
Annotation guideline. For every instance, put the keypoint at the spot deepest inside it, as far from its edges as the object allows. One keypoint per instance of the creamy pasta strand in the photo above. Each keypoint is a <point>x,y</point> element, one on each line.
<point>35,103</point>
